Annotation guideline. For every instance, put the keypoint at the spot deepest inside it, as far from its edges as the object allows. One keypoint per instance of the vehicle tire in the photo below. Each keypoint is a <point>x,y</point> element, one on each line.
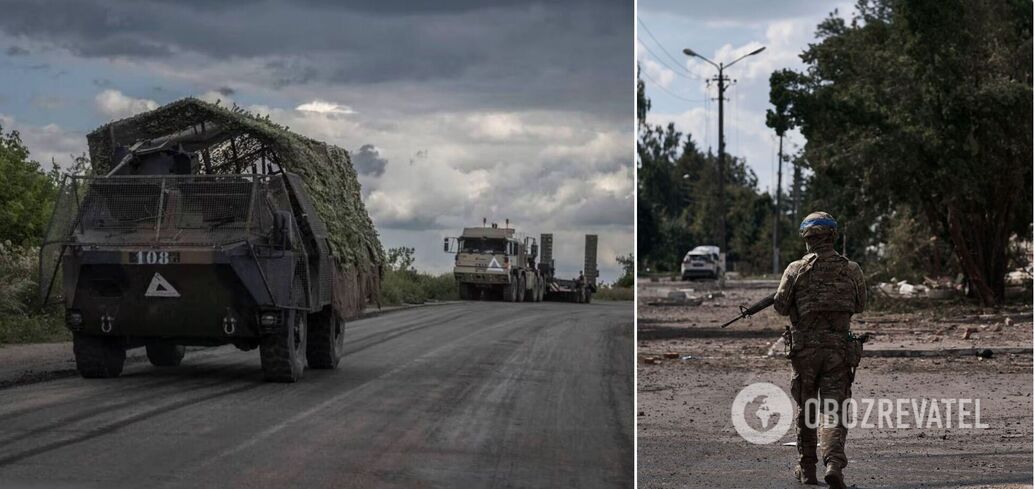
<point>542,292</point>
<point>510,292</point>
<point>461,290</point>
<point>283,353</point>
<point>530,294</point>
<point>325,343</point>
<point>520,289</point>
<point>165,354</point>
<point>98,357</point>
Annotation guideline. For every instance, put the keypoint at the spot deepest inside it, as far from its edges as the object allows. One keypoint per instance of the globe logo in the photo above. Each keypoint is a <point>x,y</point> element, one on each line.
<point>762,413</point>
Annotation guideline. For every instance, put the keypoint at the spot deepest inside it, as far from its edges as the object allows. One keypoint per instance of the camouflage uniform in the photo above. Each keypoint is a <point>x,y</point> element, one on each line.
<point>820,292</point>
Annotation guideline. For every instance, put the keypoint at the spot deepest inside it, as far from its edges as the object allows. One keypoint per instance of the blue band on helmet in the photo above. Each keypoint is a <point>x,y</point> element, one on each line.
<point>822,221</point>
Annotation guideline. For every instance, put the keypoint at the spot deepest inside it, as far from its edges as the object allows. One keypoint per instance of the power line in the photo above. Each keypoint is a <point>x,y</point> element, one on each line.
<point>662,47</point>
<point>662,87</point>
<point>663,63</point>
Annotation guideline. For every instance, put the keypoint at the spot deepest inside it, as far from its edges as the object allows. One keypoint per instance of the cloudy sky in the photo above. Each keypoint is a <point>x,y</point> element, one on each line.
<point>453,111</point>
<point>723,31</point>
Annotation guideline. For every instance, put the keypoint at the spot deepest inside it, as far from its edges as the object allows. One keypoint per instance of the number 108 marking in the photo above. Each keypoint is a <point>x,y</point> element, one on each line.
<point>152,257</point>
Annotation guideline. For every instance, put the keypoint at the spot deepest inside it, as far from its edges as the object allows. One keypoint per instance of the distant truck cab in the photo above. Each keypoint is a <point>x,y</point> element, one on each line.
<point>703,262</point>
<point>491,262</point>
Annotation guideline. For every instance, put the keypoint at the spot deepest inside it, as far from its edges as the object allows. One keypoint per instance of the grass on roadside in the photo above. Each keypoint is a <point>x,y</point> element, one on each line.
<point>33,328</point>
<point>412,287</point>
<point>612,293</point>
<point>20,319</point>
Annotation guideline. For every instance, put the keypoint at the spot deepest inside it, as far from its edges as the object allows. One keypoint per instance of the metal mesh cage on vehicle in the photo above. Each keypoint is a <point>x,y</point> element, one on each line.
<point>160,211</point>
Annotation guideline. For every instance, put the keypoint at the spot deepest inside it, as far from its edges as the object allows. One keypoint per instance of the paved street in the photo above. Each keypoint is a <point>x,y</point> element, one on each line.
<point>478,394</point>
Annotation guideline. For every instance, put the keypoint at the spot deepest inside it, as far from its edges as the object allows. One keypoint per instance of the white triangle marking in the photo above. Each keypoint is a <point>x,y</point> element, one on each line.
<point>160,287</point>
<point>494,266</point>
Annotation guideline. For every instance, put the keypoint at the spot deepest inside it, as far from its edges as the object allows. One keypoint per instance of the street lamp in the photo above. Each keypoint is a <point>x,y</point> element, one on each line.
<point>721,79</point>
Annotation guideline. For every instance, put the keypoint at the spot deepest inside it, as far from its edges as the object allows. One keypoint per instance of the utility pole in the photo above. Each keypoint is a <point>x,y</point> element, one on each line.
<point>721,80</point>
<point>796,189</point>
<point>776,213</point>
<point>721,191</point>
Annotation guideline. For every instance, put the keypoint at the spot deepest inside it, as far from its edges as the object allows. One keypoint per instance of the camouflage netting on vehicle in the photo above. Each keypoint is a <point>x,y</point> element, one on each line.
<point>246,139</point>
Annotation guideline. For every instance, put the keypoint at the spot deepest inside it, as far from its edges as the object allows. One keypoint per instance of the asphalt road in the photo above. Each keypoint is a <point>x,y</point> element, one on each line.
<point>462,395</point>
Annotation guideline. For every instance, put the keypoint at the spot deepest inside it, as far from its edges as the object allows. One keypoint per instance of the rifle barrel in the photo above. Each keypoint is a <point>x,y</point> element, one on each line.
<point>731,321</point>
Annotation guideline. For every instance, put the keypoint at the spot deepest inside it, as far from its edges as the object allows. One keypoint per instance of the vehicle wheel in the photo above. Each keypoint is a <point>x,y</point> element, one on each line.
<point>283,352</point>
<point>509,292</point>
<point>164,354</point>
<point>98,357</point>
<point>461,290</point>
<point>325,343</point>
<point>520,290</point>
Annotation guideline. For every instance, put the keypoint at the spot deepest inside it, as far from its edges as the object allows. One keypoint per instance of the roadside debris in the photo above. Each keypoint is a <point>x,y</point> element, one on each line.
<point>939,288</point>
<point>678,298</point>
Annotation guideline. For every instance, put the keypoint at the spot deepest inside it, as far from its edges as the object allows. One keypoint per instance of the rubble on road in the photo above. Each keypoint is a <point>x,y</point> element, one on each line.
<point>939,288</point>
<point>678,298</point>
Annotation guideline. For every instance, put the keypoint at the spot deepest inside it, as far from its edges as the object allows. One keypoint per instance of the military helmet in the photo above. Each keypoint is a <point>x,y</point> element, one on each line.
<point>818,223</point>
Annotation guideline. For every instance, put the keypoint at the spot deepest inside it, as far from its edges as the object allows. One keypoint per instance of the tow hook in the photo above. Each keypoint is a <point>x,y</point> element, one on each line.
<point>106,325</point>
<point>229,325</point>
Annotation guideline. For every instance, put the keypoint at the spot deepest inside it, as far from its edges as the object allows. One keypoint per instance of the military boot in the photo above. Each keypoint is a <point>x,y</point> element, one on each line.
<point>834,477</point>
<point>806,474</point>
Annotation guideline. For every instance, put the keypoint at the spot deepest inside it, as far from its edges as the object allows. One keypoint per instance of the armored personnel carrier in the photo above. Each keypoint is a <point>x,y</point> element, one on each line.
<point>206,226</point>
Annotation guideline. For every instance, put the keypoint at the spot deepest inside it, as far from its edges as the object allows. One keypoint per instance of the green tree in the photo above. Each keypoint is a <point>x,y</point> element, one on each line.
<point>26,193</point>
<point>924,104</point>
<point>628,278</point>
<point>401,259</point>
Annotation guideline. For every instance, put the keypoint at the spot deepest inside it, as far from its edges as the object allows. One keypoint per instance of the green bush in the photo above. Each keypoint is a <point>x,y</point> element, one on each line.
<point>33,328</point>
<point>412,287</point>
<point>20,322</point>
<point>614,293</point>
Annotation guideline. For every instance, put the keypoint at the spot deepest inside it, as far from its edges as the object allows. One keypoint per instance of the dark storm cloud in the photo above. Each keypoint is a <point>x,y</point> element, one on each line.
<point>17,51</point>
<point>226,91</point>
<point>368,161</point>
<point>557,54</point>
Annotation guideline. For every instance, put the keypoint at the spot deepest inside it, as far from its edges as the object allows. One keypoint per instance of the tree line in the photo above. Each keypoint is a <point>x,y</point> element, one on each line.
<point>917,120</point>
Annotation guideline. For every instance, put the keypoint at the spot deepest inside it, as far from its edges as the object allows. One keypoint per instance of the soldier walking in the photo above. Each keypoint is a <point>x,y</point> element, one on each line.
<point>820,292</point>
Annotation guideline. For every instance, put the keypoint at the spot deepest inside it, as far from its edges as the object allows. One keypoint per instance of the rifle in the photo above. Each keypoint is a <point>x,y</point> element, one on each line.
<point>752,309</point>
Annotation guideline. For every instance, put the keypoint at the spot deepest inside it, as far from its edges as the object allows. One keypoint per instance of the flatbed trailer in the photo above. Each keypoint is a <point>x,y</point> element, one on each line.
<point>579,290</point>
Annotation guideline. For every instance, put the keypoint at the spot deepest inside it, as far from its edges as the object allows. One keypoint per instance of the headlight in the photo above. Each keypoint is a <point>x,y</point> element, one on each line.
<point>268,319</point>
<point>74,318</point>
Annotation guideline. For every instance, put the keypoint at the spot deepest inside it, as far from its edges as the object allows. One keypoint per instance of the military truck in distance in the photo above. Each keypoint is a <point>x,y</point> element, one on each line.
<point>492,263</point>
<point>210,226</point>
